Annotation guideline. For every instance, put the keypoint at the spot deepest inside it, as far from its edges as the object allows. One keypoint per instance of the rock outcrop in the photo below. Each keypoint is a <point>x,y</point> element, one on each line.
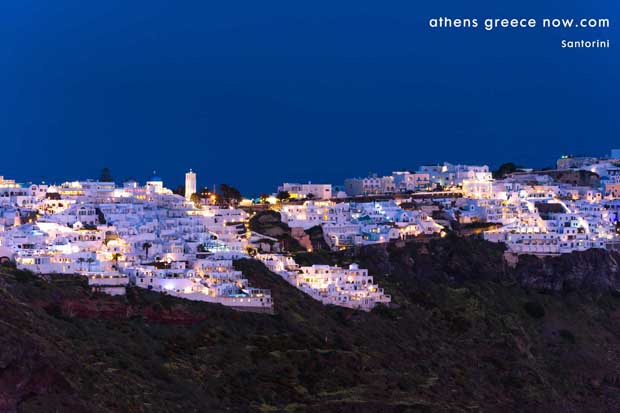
<point>589,270</point>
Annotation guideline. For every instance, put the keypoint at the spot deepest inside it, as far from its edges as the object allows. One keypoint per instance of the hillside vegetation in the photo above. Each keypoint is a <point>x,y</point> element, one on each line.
<point>466,333</point>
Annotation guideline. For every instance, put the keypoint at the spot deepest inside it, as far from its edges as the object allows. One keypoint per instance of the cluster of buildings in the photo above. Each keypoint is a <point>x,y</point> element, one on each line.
<point>573,207</point>
<point>427,177</point>
<point>147,236</point>
<point>347,224</point>
<point>346,287</point>
<point>135,234</point>
<point>555,211</point>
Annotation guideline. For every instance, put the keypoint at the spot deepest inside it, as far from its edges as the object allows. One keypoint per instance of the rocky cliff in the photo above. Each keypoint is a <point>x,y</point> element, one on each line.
<point>589,270</point>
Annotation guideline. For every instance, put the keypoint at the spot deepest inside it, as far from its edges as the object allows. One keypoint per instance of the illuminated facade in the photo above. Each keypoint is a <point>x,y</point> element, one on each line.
<point>190,184</point>
<point>301,191</point>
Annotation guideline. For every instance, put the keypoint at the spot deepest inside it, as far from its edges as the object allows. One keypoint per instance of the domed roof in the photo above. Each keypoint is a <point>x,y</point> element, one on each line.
<point>155,178</point>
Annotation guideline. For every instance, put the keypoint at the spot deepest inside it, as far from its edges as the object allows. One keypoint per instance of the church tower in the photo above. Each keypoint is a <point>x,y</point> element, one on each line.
<point>190,184</point>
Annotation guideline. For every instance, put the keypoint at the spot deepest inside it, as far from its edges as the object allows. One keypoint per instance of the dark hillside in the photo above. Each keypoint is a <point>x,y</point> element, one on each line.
<point>463,335</point>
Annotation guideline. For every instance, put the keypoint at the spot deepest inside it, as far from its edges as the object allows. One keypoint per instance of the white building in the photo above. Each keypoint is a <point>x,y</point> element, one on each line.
<point>155,185</point>
<point>370,185</point>
<point>448,174</point>
<point>411,181</point>
<point>190,184</point>
<point>346,287</point>
<point>311,213</point>
<point>352,287</point>
<point>301,191</point>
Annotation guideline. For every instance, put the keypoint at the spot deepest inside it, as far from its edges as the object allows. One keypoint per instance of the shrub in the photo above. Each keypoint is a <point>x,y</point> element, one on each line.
<point>54,310</point>
<point>385,311</point>
<point>534,309</point>
<point>24,276</point>
<point>567,336</point>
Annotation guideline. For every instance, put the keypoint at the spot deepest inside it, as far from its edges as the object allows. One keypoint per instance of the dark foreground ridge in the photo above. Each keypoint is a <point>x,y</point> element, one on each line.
<point>464,335</point>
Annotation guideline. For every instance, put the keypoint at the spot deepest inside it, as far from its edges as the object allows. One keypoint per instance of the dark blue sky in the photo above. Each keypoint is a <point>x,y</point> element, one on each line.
<point>253,93</point>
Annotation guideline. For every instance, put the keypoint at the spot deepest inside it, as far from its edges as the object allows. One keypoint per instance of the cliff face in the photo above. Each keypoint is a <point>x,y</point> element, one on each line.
<point>457,260</point>
<point>589,270</point>
<point>467,332</point>
<point>575,177</point>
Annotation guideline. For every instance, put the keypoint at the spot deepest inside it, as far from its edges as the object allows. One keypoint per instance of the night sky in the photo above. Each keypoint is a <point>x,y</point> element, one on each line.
<point>253,93</point>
